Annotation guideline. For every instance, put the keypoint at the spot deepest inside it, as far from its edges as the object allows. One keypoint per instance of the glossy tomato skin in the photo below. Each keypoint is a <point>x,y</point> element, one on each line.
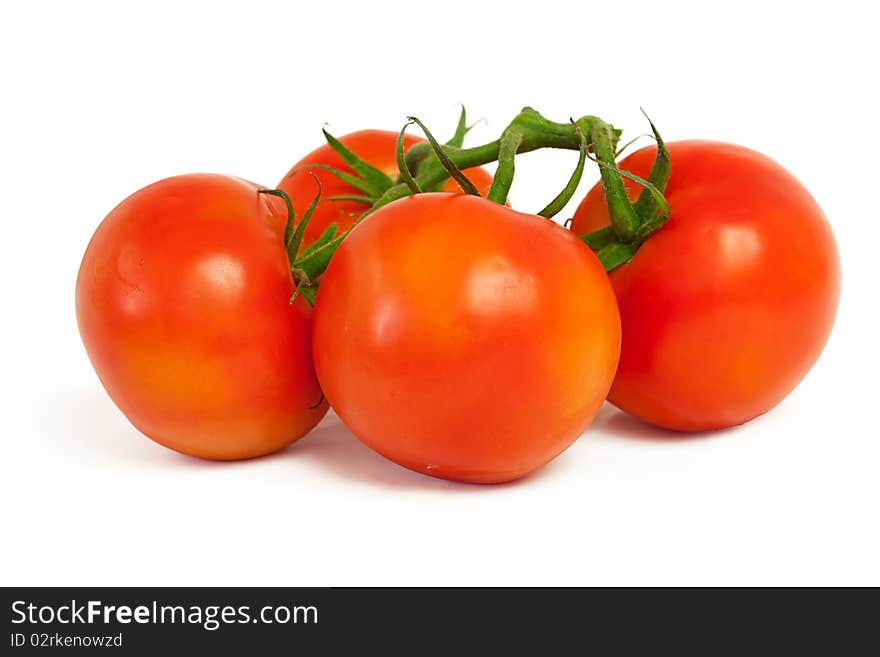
<point>182,301</point>
<point>464,340</point>
<point>378,148</point>
<point>727,307</point>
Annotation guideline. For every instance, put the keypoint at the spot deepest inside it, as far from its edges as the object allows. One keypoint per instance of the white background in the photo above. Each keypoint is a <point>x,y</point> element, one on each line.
<point>100,99</point>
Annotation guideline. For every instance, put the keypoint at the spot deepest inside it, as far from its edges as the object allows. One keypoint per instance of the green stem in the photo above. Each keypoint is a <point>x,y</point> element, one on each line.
<point>623,215</point>
<point>536,132</point>
<point>507,148</point>
<point>434,163</point>
<point>562,199</point>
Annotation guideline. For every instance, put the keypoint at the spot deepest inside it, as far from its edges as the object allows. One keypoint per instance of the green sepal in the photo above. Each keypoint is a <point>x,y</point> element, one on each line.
<point>449,165</point>
<point>620,149</point>
<point>310,292</point>
<point>345,177</point>
<point>316,260</point>
<point>601,238</point>
<point>288,226</point>
<point>562,199</point>
<point>647,205</point>
<point>301,280</point>
<point>616,254</point>
<point>328,234</point>
<point>457,139</point>
<point>366,200</point>
<point>403,167</point>
<point>647,187</point>
<point>650,227</point>
<point>377,181</point>
<point>295,240</point>
<point>655,194</point>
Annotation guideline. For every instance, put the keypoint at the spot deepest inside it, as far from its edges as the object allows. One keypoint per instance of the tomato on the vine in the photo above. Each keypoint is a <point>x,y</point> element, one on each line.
<point>725,308</point>
<point>465,340</point>
<point>183,303</point>
<point>376,147</point>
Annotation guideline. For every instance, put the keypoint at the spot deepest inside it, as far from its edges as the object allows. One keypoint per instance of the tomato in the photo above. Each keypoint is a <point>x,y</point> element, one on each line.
<point>376,147</point>
<point>447,341</point>
<point>182,301</point>
<point>726,308</point>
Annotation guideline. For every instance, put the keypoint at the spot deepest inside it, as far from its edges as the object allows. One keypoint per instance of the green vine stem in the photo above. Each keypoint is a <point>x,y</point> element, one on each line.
<point>426,166</point>
<point>623,215</point>
<point>528,131</point>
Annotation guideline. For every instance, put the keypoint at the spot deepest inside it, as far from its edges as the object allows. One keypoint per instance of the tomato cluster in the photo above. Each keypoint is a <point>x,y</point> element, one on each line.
<point>452,334</point>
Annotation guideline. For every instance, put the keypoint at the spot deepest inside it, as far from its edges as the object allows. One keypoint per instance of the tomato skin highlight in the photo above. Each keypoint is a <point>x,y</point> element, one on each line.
<point>728,306</point>
<point>182,302</point>
<point>376,147</point>
<point>464,340</point>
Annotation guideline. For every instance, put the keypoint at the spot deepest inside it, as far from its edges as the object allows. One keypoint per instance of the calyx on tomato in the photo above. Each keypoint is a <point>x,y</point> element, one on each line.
<point>372,182</point>
<point>308,265</point>
<point>631,223</point>
<point>308,259</point>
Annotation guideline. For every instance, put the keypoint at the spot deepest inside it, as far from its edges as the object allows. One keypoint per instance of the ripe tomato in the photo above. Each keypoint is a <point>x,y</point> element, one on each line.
<point>376,147</point>
<point>726,308</point>
<point>463,339</point>
<point>183,305</point>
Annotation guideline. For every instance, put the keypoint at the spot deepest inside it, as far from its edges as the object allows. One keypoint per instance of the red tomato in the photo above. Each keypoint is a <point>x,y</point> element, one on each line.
<point>726,308</point>
<point>376,147</point>
<point>183,305</point>
<point>449,343</point>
